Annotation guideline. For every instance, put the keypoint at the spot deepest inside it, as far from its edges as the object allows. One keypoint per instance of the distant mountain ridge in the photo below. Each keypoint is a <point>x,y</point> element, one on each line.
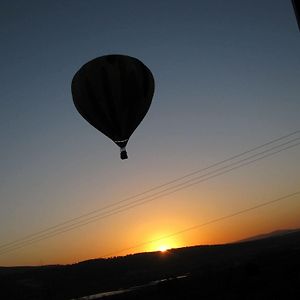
<point>271,234</point>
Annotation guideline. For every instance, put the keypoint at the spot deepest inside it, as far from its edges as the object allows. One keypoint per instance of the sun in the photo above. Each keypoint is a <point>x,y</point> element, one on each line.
<point>163,248</point>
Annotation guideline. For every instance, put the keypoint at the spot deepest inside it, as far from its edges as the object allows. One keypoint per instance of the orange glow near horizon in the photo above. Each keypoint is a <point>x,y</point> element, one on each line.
<point>168,230</point>
<point>163,248</point>
<point>162,242</point>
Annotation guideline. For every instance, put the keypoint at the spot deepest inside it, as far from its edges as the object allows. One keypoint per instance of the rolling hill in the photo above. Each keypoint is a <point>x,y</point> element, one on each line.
<point>264,268</point>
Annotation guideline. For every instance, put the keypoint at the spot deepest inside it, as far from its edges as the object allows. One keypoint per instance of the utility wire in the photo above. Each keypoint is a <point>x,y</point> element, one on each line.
<point>154,188</point>
<point>213,221</point>
<point>22,243</point>
<point>58,229</point>
<point>72,220</point>
<point>109,213</point>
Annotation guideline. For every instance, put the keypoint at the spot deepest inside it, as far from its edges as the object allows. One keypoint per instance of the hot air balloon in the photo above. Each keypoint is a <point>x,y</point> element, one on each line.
<point>296,5</point>
<point>113,93</point>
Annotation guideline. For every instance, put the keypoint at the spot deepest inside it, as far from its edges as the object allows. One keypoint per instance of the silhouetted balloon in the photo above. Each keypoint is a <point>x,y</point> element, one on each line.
<point>113,93</point>
<point>296,5</point>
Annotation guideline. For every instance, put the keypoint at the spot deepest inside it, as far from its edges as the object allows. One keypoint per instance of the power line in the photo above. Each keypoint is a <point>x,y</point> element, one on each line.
<point>135,203</point>
<point>58,229</point>
<point>156,187</point>
<point>109,213</point>
<point>240,212</point>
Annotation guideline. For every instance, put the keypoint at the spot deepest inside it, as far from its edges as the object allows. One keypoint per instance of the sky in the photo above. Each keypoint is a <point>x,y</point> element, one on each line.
<point>227,80</point>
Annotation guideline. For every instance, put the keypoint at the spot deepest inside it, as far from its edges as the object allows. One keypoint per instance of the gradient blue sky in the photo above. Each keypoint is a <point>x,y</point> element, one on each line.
<point>227,79</point>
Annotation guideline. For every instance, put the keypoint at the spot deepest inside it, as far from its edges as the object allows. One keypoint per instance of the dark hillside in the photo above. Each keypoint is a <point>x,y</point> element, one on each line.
<point>267,268</point>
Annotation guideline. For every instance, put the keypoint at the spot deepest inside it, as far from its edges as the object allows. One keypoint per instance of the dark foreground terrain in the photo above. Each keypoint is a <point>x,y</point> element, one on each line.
<point>267,268</point>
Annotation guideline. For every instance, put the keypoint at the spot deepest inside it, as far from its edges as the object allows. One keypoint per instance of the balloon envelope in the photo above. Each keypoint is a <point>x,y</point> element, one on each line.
<point>113,93</point>
<point>296,5</point>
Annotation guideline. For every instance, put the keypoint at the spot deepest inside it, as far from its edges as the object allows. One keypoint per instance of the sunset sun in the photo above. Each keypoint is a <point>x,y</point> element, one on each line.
<point>163,248</point>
